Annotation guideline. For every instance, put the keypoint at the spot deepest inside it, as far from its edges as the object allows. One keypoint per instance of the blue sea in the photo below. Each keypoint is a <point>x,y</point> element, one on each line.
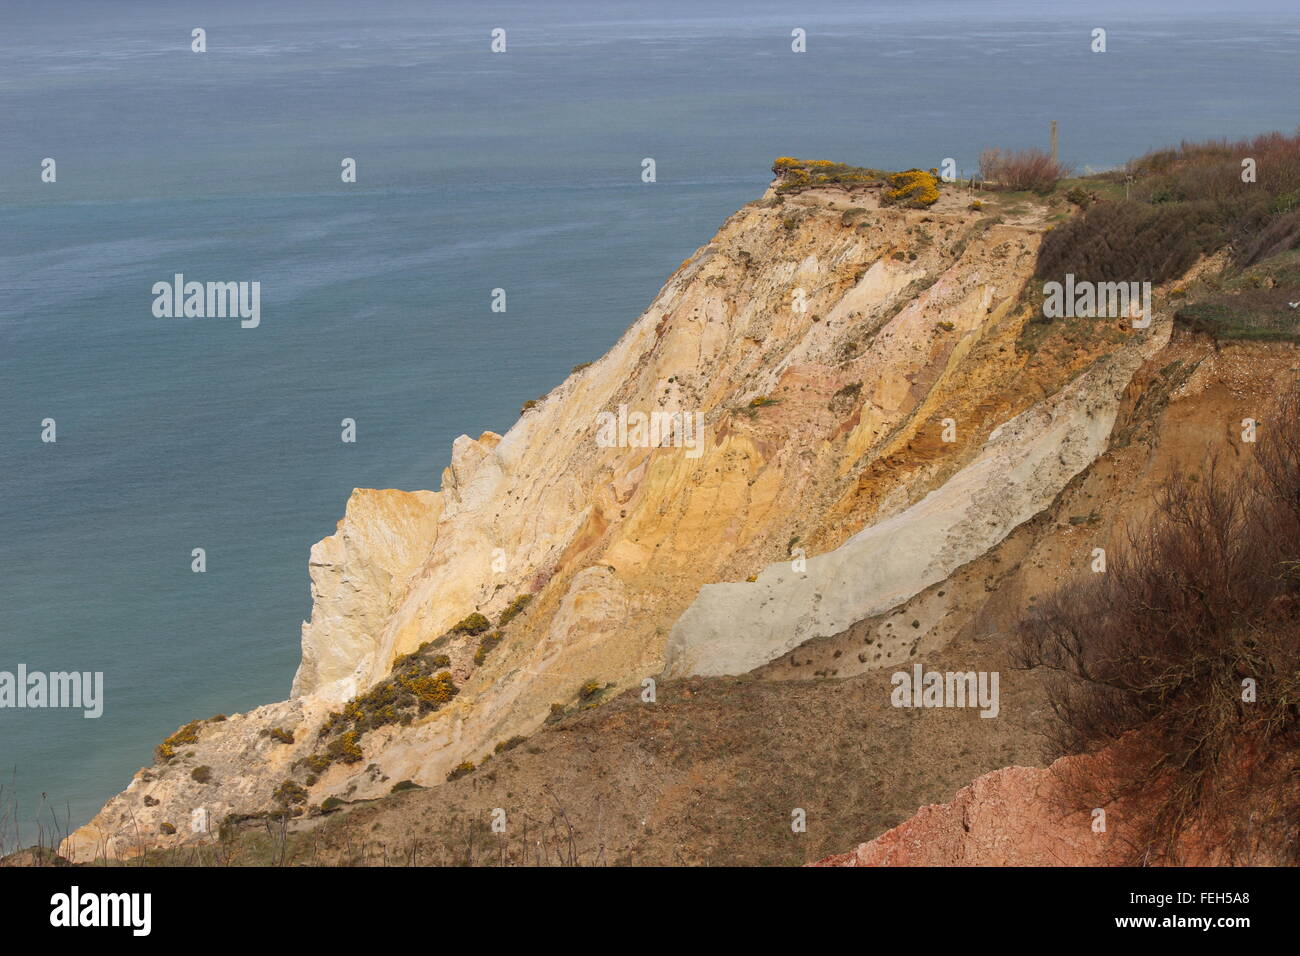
<point>475,171</point>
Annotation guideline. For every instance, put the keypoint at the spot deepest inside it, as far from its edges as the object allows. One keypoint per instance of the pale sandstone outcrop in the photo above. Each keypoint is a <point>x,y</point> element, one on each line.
<point>357,574</point>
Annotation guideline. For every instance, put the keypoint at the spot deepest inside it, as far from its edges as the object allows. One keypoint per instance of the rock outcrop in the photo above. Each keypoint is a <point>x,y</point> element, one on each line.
<point>1010,817</point>
<point>357,576</point>
<point>1070,813</point>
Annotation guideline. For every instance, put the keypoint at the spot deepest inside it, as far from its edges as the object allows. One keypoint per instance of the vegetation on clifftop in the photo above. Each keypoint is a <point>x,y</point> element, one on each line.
<point>912,187</point>
<point>796,175</point>
<point>1153,220</point>
<point>1028,169</point>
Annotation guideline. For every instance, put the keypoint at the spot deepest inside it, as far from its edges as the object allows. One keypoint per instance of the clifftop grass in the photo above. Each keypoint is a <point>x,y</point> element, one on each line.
<point>1255,304</point>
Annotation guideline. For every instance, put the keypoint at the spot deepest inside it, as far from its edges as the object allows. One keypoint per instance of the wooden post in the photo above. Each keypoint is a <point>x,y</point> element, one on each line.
<point>1053,141</point>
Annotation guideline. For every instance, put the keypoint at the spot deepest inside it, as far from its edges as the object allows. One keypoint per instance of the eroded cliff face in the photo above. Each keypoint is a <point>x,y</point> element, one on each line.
<point>709,772</point>
<point>828,343</point>
<point>732,628</point>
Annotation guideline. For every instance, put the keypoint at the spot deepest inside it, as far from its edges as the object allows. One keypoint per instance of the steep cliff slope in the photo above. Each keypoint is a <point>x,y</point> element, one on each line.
<point>712,770</point>
<point>871,426</point>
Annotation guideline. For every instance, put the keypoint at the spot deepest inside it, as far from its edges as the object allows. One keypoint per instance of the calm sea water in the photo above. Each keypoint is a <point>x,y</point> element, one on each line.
<point>476,171</point>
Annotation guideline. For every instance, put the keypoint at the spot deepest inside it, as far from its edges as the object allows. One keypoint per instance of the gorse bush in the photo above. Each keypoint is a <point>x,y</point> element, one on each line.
<point>1081,197</point>
<point>462,769</point>
<point>419,683</point>
<point>475,623</point>
<point>189,734</point>
<point>514,609</point>
<point>914,188</point>
<point>289,794</point>
<point>316,763</point>
<point>485,645</point>
<point>796,175</point>
<point>345,748</point>
<point>1153,658</point>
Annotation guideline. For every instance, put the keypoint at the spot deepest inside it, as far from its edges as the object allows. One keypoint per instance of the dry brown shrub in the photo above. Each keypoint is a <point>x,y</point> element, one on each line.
<point>1149,660</point>
<point>1030,169</point>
